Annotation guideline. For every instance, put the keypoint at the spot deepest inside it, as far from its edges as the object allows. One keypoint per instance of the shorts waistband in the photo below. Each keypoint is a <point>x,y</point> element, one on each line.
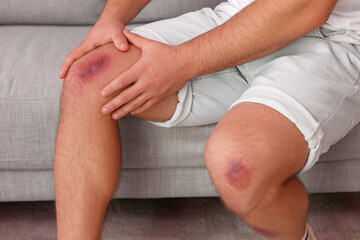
<point>341,35</point>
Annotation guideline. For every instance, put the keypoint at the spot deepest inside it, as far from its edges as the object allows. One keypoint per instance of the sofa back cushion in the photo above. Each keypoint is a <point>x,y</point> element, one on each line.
<point>86,12</point>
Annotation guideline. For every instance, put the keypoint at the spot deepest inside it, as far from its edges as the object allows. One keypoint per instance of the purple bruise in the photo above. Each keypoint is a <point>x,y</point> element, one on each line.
<point>93,66</point>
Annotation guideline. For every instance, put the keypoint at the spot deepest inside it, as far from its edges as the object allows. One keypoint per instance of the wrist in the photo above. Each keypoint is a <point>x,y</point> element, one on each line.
<point>106,19</point>
<point>186,61</point>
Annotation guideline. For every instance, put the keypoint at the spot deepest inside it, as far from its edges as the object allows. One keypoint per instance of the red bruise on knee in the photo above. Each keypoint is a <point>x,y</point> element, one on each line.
<point>238,174</point>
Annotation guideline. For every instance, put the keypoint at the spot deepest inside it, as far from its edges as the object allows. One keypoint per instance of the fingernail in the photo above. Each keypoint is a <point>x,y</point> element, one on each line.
<point>104,93</point>
<point>116,116</point>
<point>123,45</point>
<point>105,110</point>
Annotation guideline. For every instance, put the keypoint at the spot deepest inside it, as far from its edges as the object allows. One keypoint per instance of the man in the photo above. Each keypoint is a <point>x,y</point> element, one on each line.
<point>292,96</point>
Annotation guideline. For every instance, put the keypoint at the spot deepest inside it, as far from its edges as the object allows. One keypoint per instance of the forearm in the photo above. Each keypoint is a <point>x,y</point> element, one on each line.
<point>259,30</point>
<point>122,11</point>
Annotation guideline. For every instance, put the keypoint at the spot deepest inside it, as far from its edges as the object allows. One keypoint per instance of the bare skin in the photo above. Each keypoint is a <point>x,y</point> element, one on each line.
<point>240,180</point>
<point>253,153</point>
<point>252,156</point>
<point>108,29</point>
<point>87,155</point>
<point>271,24</point>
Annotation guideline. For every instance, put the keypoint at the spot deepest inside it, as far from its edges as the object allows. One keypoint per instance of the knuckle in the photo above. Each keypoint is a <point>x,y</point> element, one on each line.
<point>109,89</point>
<point>142,85</point>
<point>70,57</point>
<point>155,92</point>
<point>135,104</point>
<point>122,111</point>
<point>107,38</point>
<point>111,106</point>
<point>90,45</point>
<point>116,84</point>
<point>124,98</point>
<point>119,36</point>
<point>119,83</point>
<point>146,84</point>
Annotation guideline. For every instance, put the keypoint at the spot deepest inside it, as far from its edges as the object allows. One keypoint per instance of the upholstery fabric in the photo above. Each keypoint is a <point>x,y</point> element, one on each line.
<point>38,185</point>
<point>157,162</point>
<point>30,93</point>
<point>86,12</point>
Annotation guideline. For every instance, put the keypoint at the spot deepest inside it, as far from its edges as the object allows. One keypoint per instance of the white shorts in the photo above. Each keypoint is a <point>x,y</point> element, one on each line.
<point>313,82</point>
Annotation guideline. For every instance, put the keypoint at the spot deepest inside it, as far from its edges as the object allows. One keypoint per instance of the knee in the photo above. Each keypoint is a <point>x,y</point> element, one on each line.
<point>83,73</point>
<point>235,173</point>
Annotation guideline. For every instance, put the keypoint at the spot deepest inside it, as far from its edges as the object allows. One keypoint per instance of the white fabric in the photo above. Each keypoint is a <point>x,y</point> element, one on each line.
<point>233,6</point>
<point>321,97</point>
<point>346,14</point>
<point>306,236</point>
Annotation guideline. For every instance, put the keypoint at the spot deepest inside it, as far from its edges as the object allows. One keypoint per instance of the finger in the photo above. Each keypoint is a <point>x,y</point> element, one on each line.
<point>120,42</point>
<point>135,39</point>
<point>146,106</point>
<point>129,107</point>
<point>74,55</point>
<point>121,99</point>
<point>118,83</point>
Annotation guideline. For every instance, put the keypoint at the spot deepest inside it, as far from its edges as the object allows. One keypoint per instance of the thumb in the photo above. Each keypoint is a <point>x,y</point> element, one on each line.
<point>120,42</point>
<point>135,39</point>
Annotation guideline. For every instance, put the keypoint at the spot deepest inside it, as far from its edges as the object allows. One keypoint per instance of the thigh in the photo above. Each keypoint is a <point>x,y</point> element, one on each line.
<point>175,31</point>
<point>205,99</point>
<point>315,84</point>
<point>199,101</point>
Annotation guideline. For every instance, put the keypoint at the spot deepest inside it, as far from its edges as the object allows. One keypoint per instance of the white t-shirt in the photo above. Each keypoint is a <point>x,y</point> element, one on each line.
<point>346,14</point>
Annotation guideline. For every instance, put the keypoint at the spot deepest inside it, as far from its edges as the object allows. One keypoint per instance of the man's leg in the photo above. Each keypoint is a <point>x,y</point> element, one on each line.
<point>252,157</point>
<point>87,153</point>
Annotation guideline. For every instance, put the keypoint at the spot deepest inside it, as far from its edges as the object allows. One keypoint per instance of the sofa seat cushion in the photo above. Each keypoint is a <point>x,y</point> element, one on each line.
<point>31,57</point>
<point>29,107</point>
<point>86,12</point>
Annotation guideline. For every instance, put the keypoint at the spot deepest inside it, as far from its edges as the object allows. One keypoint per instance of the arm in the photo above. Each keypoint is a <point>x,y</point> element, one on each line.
<point>115,16</point>
<point>122,11</point>
<point>260,29</point>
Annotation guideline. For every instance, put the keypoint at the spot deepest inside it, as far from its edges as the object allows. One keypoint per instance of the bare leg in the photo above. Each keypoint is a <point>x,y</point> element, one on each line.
<point>252,156</point>
<point>87,155</point>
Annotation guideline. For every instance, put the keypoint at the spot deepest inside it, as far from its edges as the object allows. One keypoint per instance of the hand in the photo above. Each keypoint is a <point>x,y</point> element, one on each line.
<point>160,72</point>
<point>104,31</point>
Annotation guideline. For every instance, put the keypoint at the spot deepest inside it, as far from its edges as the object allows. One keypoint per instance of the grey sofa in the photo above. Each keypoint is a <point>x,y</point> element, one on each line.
<point>35,36</point>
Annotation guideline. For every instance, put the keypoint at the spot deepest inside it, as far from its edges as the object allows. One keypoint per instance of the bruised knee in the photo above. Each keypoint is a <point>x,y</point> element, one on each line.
<point>235,185</point>
<point>92,67</point>
<point>238,174</point>
<point>86,71</point>
<point>232,168</point>
<point>234,173</point>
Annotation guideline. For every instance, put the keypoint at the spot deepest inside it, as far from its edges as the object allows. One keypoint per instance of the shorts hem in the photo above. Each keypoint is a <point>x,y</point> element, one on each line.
<point>294,111</point>
<point>183,108</point>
